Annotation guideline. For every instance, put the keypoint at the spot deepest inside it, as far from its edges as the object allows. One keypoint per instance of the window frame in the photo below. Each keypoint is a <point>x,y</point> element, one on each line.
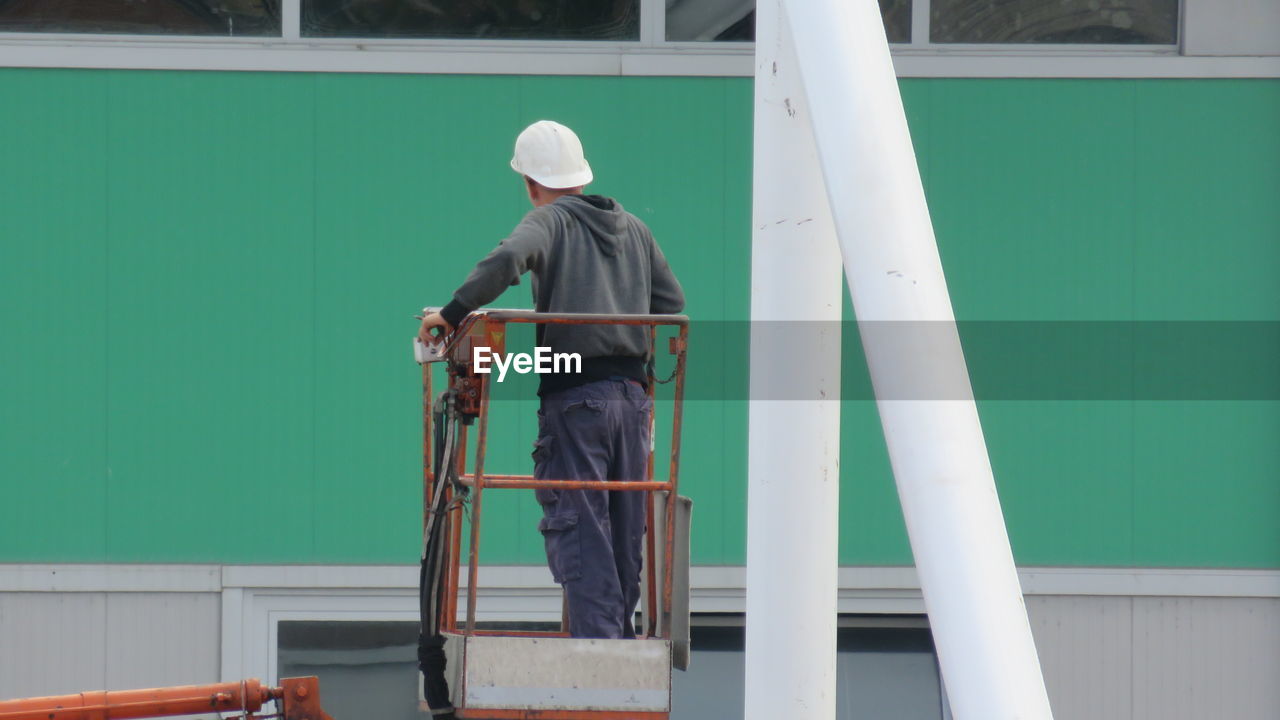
<point>651,55</point>
<point>256,598</point>
<point>361,608</point>
<point>1152,48</point>
<point>652,36</point>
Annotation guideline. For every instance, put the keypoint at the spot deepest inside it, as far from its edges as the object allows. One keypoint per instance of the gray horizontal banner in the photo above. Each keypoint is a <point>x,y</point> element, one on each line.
<point>1006,360</point>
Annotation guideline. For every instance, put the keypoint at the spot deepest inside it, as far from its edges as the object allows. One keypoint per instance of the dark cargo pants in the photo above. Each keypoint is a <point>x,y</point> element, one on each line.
<point>597,431</point>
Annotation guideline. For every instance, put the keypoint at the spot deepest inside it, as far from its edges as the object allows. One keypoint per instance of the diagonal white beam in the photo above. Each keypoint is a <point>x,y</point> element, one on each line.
<point>917,366</point>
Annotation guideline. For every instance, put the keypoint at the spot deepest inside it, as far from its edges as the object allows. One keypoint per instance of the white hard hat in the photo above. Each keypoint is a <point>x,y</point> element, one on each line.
<point>551,154</point>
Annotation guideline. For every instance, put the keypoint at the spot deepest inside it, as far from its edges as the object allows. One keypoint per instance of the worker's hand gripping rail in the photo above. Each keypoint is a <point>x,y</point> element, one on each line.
<point>429,352</point>
<point>424,353</point>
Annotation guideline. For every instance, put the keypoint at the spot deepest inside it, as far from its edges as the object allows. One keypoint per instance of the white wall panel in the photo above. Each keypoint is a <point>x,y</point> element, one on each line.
<point>52,643</point>
<point>1199,658</point>
<point>1159,658</point>
<point>1085,650</point>
<point>156,639</point>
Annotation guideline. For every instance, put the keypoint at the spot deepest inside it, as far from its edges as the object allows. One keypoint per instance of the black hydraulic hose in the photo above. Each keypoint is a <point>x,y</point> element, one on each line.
<point>431,657</point>
<point>432,547</point>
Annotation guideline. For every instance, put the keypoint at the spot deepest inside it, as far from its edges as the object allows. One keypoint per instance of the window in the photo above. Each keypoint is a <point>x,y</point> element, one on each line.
<point>143,17</point>
<point>366,668</point>
<point>935,22</point>
<point>500,19</point>
<point>1127,22</point>
<point>1114,22</point>
<point>886,667</point>
<point>720,20</point>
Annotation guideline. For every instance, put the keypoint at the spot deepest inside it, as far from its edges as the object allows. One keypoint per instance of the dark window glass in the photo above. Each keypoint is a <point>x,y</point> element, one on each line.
<point>366,669</point>
<point>1128,22</point>
<point>494,19</point>
<point>698,20</point>
<point>897,20</point>
<point>881,672</point>
<point>142,17</point>
<point>885,672</point>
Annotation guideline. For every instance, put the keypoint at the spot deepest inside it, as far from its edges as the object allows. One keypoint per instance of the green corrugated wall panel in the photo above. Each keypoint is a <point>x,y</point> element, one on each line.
<point>1206,483</point>
<point>1064,470</point>
<point>1031,194</point>
<point>1207,474</point>
<point>410,184</point>
<point>210,326</point>
<point>1207,200</point>
<point>212,276</point>
<point>53,329</point>
<point>731,374</point>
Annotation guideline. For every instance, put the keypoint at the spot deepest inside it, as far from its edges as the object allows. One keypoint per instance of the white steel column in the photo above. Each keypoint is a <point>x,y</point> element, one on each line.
<point>935,441</point>
<point>794,434</point>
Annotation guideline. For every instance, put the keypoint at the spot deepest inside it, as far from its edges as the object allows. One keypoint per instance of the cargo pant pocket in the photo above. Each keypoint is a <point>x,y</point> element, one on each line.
<point>564,548</point>
<point>588,404</point>
<point>544,449</point>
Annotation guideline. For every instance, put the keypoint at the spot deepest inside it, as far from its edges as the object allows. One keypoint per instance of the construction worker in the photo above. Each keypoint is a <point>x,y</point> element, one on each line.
<point>587,255</point>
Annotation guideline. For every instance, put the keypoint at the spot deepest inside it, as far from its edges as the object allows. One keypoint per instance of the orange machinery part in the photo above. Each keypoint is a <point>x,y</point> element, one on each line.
<point>299,700</point>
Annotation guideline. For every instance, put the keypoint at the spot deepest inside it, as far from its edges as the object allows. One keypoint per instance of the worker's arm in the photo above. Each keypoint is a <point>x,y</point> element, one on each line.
<point>524,250</point>
<point>666,297</point>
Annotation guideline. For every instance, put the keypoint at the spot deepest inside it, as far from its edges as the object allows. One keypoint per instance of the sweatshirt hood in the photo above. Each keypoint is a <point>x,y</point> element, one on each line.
<point>601,215</point>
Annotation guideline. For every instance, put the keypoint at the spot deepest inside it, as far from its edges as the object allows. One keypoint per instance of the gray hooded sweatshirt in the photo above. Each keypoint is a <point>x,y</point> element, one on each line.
<point>587,255</point>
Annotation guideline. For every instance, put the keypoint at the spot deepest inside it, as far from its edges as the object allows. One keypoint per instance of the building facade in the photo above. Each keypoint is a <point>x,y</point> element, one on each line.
<point>212,241</point>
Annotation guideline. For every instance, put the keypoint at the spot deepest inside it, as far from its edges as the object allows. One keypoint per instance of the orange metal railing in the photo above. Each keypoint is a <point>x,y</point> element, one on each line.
<point>487,328</point>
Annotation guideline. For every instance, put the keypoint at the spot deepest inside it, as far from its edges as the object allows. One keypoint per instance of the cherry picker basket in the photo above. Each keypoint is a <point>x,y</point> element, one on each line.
<point>477,672</point>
